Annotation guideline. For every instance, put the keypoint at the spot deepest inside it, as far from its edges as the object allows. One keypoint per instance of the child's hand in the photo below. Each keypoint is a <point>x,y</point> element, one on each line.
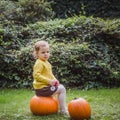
<point>54,82</point>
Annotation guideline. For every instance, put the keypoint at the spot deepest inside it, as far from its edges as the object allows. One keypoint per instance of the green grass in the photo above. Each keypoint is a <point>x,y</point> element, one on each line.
<point>105,104</point>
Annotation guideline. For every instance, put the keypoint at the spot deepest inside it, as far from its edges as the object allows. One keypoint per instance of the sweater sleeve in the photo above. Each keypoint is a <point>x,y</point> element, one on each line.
<point>37,74</point>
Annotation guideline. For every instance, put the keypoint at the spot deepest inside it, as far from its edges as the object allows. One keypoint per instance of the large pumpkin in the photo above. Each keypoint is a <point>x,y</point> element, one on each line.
<point>79,109</point>
<point>43,105</point>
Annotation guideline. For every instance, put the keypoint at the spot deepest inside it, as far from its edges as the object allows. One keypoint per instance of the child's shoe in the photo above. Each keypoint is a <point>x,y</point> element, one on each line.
<point>64,113</point>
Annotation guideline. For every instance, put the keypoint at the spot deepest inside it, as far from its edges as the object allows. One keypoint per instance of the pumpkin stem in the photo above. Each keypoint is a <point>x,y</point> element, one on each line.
<point>75,98</point>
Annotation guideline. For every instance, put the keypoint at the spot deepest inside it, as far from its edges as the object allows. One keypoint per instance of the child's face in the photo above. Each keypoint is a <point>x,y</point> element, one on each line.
<point>44,53</point>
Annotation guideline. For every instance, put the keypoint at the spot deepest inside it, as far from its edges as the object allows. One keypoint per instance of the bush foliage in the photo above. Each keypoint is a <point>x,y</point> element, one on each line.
<point>25,11</point>
<point>96,8</point>
<point>85,51</point>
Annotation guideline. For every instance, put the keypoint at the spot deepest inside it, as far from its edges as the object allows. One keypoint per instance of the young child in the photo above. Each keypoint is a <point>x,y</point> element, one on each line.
<point>45,83</point>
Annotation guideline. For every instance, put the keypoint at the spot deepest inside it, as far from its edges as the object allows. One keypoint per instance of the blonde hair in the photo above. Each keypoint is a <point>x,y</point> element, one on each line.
<point>38,45</point>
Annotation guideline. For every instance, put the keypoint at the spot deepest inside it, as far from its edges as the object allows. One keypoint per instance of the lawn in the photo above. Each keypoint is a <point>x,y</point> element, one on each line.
<point>105,104</point>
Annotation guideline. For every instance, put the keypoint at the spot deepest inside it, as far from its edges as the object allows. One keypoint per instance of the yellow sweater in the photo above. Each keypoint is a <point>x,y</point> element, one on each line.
<point>42,74</point>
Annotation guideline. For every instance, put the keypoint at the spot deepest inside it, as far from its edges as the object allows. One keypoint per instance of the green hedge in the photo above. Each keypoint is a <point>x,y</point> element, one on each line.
<point>85,52</point>
<point>22,12</point>
<point>96,8</point>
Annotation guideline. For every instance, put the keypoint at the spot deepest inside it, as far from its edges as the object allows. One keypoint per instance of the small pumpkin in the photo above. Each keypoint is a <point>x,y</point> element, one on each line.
<point>43,105</point>
<point>79,109</point>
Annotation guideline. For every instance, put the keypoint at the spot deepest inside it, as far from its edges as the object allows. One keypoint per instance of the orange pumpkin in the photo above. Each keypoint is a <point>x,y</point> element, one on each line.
<point>79,109</point>
<point>43,105</point>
